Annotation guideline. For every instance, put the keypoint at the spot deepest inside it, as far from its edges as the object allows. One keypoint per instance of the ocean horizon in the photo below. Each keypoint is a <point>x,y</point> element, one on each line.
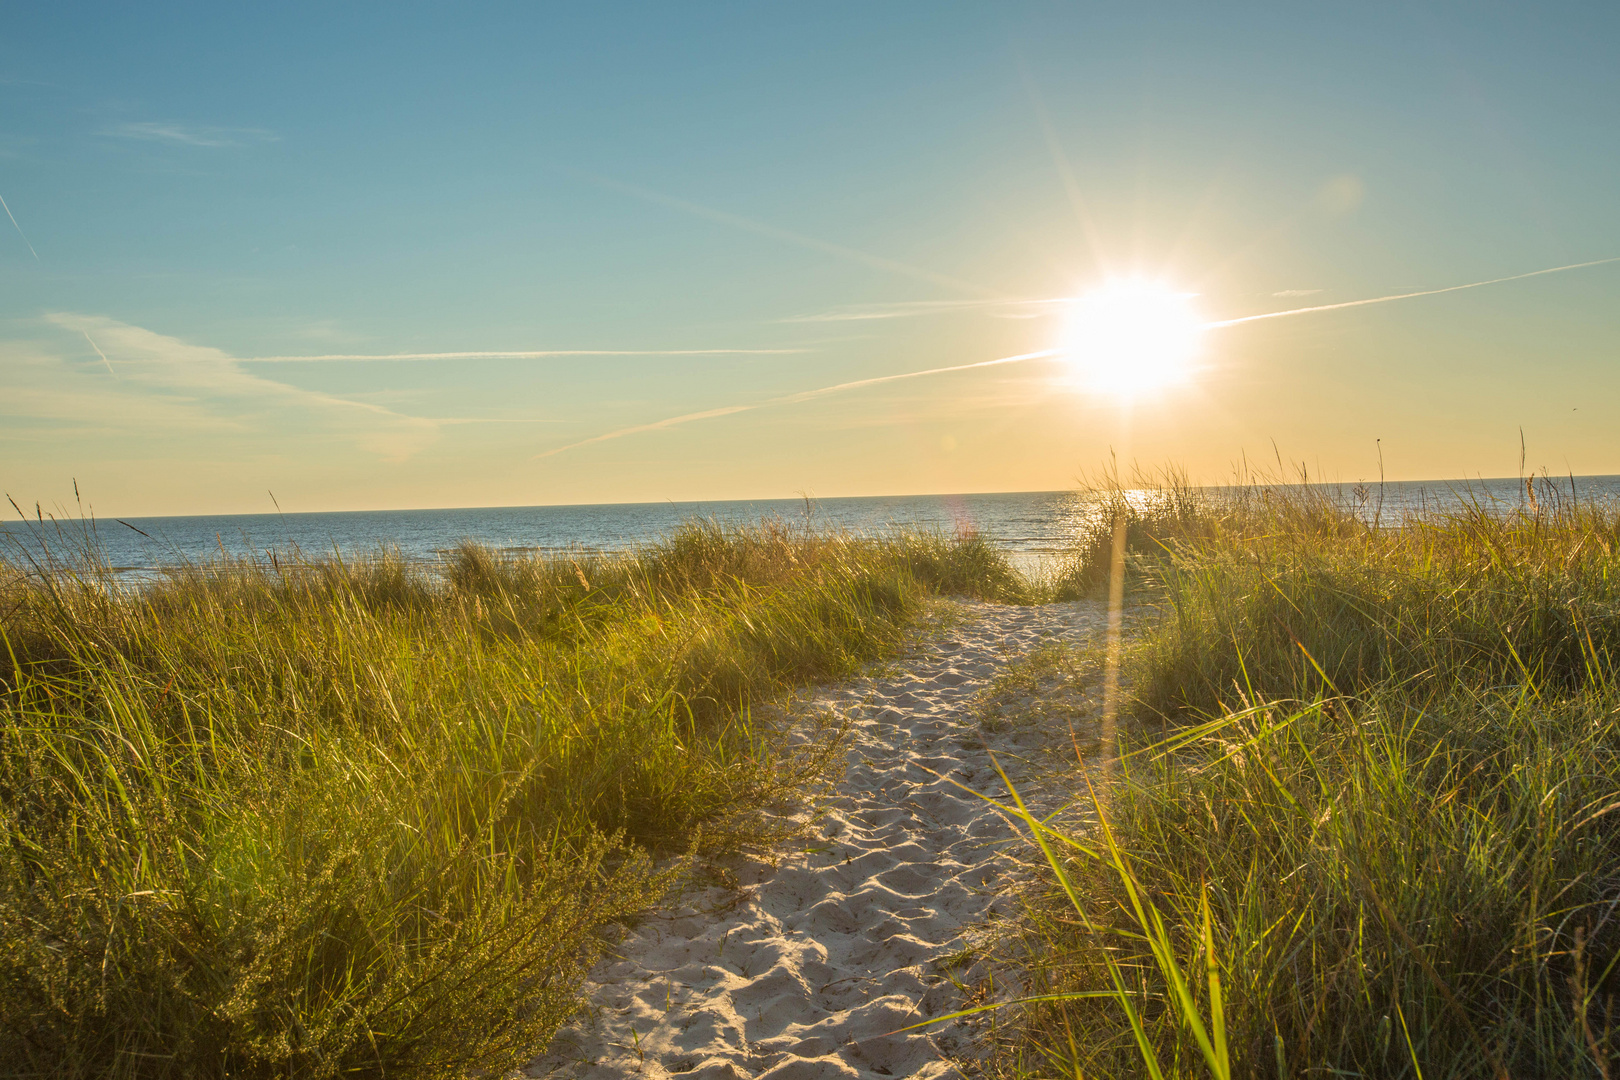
<point>1030,525</point>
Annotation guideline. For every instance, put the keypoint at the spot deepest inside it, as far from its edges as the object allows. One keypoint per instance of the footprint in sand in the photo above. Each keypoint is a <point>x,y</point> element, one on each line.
<point>836,948</point>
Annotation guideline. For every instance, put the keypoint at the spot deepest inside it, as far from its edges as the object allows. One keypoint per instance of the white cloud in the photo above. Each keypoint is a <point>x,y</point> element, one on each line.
<point>190,134</point>
<point>154,384</point>
<point>1297,292</point>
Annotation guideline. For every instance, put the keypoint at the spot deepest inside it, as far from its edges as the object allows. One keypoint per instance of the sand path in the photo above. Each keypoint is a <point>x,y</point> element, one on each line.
<point>825,949</point>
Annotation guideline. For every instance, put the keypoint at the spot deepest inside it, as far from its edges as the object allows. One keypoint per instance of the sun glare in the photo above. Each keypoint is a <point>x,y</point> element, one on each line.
<point>1129,338</point>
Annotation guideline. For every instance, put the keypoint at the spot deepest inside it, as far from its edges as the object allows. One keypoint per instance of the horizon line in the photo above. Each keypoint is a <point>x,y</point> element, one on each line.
<point>800,498</point>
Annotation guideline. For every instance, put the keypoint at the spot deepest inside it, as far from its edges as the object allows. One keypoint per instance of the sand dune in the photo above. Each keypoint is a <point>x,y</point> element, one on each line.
<point>803,972</point>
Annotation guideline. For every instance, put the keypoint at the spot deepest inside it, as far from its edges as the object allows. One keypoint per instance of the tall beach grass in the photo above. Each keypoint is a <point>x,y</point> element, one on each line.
<point>323,817</point>
<point>1363,822</point>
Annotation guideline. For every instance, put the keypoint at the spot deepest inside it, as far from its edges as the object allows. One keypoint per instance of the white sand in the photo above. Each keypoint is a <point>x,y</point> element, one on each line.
<point>803,974</point>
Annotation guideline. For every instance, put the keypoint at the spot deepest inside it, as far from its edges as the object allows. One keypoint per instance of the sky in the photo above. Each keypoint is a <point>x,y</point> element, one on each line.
<point>684,218</point>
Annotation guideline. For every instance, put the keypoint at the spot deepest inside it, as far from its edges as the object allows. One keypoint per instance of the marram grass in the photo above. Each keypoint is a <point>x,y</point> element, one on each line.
<point>1364,822</point>
<point>327,818</point>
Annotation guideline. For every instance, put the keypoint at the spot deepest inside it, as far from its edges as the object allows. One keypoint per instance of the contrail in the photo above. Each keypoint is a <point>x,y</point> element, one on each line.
<point>759,228</point>
<point>805,395</point>
<point>14,224</point>
<point>529,354</point>
<point>99,353</point>
<point>1060,161</point>
<point>790,399</point>
<point>1406,296</point>
<point>906,309</point>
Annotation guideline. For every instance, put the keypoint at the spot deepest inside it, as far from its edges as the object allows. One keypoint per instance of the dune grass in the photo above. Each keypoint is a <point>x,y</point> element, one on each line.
<point>317,818</point>
<point>1364,820</point>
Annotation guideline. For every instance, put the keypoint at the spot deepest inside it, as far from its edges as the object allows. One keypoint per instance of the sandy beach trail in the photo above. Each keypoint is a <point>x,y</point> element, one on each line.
<point>803,971</point>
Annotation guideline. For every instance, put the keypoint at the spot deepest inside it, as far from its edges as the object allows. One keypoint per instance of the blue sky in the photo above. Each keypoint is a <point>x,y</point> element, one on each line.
<point>735,192</point>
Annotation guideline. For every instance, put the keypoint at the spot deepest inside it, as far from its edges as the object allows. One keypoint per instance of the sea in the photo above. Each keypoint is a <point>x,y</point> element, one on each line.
<point>1032,526</point>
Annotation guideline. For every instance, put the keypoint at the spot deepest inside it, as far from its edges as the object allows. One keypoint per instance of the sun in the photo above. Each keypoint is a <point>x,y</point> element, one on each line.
<point>1131,337</point>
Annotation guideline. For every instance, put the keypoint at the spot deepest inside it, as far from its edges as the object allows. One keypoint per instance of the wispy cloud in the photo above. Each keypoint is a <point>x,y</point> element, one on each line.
<point>169,131</point>
<point>165,383</point>
<point>532,354</point>
<point>911,309</point>
<point>1297,292</point>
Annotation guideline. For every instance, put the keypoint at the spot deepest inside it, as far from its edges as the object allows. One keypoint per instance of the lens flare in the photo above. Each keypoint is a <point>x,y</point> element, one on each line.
<point>1129,338</point>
